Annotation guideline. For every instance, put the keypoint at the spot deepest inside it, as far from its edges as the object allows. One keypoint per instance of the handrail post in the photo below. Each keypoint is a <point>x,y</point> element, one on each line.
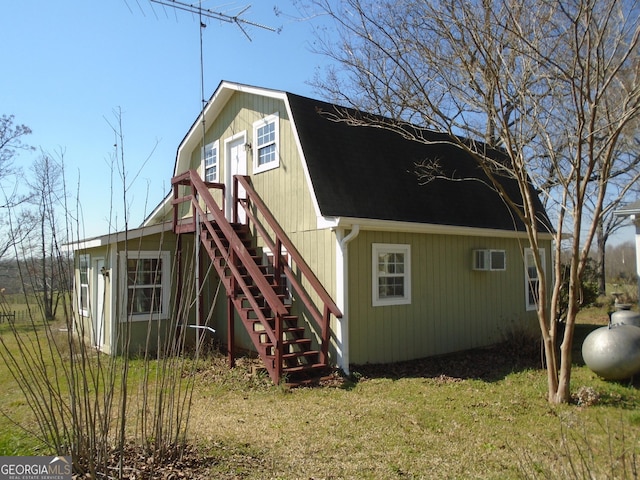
<point>234,200</point>
<point>175,206</point>
<point>324,349</point>
<point>277,263</point>
<point>278,346</point>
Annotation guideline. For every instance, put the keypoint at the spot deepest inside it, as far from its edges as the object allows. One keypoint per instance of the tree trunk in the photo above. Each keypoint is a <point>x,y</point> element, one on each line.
<point>601,245</point>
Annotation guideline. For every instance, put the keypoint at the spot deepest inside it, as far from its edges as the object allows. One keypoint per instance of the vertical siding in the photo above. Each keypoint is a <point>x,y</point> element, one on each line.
<point>283,189</point>
<point>453,307</point>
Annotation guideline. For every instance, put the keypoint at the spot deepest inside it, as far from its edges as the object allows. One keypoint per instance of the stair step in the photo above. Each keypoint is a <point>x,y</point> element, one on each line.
<point>304,368</point>
<point>300,364</point>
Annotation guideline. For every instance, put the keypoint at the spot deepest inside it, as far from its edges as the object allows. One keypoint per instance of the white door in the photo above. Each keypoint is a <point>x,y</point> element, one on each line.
<point>236,163</point>
<point>97,306</point>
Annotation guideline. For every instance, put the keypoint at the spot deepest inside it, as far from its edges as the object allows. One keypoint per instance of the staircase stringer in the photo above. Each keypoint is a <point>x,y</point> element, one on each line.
<point>227,259</point>
<point>229,253</point>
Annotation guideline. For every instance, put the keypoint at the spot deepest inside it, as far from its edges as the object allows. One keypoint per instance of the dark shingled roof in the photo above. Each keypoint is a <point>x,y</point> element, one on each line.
<point>368,172</point>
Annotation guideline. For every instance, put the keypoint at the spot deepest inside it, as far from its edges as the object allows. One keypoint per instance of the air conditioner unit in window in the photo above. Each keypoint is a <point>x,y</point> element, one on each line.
<point>489,260</point>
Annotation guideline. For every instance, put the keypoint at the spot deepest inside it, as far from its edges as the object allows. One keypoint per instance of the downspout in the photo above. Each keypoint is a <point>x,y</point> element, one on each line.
<point>342,293</point>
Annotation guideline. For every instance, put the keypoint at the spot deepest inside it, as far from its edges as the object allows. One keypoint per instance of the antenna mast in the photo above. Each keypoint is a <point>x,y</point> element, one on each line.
<point>241,23</point>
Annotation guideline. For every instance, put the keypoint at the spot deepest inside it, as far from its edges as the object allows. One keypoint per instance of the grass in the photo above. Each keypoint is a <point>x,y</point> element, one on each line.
<point>473,415</point>
<point>432,427</point>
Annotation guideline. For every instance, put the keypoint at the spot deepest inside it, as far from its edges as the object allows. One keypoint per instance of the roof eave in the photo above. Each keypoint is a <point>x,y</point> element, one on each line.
<point>414,227</point>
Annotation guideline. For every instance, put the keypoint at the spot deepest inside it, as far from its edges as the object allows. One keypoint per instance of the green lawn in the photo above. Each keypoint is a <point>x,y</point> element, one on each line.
<point>480,414</point>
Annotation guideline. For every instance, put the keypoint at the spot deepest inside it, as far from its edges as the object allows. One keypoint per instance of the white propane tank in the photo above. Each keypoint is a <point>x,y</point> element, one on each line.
<point>624,316</point>
<point>613,352</point>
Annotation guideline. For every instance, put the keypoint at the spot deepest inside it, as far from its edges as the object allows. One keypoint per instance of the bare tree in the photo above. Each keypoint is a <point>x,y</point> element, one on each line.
<point>540,80</point>
<point>46,194</point>
<point>11,144</point>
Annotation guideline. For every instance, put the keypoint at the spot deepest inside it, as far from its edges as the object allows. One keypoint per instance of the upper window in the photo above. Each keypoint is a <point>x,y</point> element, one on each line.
<point>210,163</point>
<point>531,279</point>
<point>147,285</point>
<point>83,291</point>
<point>266,133</point>
<point>391,265</point>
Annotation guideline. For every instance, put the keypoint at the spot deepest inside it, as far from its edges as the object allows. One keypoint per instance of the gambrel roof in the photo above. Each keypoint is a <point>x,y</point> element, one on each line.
<point>370,172</point>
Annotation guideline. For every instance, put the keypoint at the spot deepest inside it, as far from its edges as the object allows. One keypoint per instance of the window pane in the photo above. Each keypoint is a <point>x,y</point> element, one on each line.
<point>144,300</point>
<point>144,283</point>
<point>391,263</point>
<point>267,134</point>
<point>84,297</point>
<point>210,163</point>
<point>391,287</point>
<point>533,292</point>
<point>267,154</point>
<point>84,268</point>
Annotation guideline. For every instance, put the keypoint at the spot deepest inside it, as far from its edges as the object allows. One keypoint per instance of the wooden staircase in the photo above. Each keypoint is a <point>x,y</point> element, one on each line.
<point>255,288</point>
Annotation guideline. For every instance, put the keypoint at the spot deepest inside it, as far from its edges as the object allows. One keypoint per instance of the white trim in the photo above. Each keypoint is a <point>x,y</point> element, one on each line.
<point>214,106</point>
<point>384,248</point>
<point>84,310</point>
<point>414,227</point>
<point>165,284</point>
<point>528,252</point>
<point>274,119</point>
<point>97,334</point>
<point>342,295</point>
<point>115,237</point>
<point>228,180</point>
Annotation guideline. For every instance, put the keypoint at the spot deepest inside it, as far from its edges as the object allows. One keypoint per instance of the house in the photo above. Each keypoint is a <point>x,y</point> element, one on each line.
<point>632,211</point>
<point>313,243</point>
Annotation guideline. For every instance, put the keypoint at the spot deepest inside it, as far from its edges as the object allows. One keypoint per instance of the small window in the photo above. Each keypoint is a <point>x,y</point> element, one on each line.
<point>391,265</point>
<point>531,279</point>
<point>266,134</point>
<point>210,164</point>
<point>83,291</point>
<point>147,285</point>
<point>489,260</point>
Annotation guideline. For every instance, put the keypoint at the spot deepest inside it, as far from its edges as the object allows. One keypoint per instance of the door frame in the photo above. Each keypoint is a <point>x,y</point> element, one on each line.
<point>98,303</point>
<point>231,169</point>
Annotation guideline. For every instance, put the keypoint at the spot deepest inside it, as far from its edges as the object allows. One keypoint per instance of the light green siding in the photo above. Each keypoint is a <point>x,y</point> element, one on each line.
<point>284,190</point>
<point>145,334</point>
<point>453,307</point>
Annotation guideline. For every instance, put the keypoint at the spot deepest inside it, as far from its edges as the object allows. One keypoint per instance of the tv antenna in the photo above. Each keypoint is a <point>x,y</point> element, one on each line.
<point>208,13</point>
<point>241,23</point>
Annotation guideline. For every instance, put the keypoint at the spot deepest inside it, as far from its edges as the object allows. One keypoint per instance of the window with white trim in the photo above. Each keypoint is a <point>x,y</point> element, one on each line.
<point>210,162</point>
<point>266,135</point>
<point>531,279</point>
<point>391,266</point>
<point>147,285</point>
<point>83,292</point>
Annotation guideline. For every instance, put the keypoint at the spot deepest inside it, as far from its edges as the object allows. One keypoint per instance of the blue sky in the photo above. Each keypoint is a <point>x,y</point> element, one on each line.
<point>67,66</point>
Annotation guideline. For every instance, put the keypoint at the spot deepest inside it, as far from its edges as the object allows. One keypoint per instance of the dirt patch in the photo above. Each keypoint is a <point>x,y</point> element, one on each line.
<point>190,463</point>
<point>488,364</point>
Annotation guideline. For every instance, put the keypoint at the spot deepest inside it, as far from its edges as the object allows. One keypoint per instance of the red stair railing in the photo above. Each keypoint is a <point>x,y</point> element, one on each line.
<point>329,307</point>
<point>200,191</point>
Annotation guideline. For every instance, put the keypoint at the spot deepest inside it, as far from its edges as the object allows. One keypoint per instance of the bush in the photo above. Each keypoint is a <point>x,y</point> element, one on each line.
<point>589,295</point>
